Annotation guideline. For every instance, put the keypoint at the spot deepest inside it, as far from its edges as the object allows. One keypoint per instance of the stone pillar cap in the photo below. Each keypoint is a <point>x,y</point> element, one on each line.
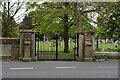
<point>27,30</point>
<point>88,31</point>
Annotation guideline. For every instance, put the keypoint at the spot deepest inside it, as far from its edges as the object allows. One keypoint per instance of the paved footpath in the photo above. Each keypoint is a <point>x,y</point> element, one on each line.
<point>108,69</point>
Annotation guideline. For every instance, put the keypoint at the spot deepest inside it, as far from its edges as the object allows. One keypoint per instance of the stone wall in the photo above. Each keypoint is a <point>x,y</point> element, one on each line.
<point>7,44</point>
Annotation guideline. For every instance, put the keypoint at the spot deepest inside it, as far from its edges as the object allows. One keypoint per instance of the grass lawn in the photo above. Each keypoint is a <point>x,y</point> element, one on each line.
<point>50,46</point>
<point>59,53</point>
<point>47,50</point>
<point>109,47</point>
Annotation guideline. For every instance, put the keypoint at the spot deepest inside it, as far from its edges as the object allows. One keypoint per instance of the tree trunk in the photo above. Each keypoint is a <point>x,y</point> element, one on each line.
<point>78,22</point>
<point>77,17</point>
<point>97,45</point>
<point>66,36</point>
<point>105,40</point>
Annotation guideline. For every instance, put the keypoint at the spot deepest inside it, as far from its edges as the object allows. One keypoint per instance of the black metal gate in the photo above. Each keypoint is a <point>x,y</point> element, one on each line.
<point>53,49</point>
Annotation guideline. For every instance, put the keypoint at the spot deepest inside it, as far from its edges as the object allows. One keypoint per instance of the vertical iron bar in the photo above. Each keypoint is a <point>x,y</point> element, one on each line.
<point>56,46</point>
<point>35,45</point>
<point>83,46</point>
<point>77,44</point>
<point>38,42</point>
<point>75,47</point>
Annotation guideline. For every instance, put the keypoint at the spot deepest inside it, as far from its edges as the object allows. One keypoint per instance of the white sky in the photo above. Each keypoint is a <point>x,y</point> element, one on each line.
<point>20,15</point>
<point>22,11</point>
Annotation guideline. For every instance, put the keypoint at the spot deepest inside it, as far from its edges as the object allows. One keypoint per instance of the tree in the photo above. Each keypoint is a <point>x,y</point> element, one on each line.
<point>9,30</point>
<point>52,20</point>
<point>9,11</point>
<point>59,17</point>
<point>26,23</point>
<point>106,23</point>
<point>68,17</point>
<point>114,23</point>
<point>108,20</point>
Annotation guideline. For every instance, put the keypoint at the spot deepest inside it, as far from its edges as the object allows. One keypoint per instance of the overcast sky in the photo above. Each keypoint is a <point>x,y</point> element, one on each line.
<point>22,12</point>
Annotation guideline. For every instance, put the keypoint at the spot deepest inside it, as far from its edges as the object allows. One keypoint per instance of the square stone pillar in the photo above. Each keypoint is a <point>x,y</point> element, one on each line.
<point>27,45</point>
<point>85,46</point>
<point>89,45</point>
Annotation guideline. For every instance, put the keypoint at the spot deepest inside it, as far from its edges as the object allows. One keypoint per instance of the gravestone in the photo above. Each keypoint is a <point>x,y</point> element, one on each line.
<point>85,45</point>
<point>27,45</point>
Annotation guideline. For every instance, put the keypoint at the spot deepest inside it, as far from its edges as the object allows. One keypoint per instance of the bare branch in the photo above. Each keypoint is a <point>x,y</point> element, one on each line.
<point>18,8</point>
<point>89,19</point>
<point>70,25</point>
<point>87,11</point>
<point>12,6</point>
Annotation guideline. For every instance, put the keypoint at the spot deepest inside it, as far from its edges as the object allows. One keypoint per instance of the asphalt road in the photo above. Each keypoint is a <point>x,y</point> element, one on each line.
<point>107,69</point>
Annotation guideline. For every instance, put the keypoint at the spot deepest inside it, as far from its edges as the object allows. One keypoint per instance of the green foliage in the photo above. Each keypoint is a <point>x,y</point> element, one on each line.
<point>9,10</point>
<point>9,27</point>
<point>48,17</point>
<point>86,24</point>
<point>56,17</point>
<point>114,24</point>
<point>108,21</point>
<point>26,23</point>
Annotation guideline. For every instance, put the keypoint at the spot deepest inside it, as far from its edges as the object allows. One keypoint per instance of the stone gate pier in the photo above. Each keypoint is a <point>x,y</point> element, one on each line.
<point>85,45</point>
<point>27,45</point>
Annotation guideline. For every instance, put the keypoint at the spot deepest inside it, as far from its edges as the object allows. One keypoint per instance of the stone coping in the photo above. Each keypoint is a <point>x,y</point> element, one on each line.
<point>108,52</point>
<point>86,32</point>
<point>27,30</point>
<point>8,38</point>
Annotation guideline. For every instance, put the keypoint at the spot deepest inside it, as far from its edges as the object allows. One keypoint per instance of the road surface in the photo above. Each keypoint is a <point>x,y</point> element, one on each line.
<point>108,69</point>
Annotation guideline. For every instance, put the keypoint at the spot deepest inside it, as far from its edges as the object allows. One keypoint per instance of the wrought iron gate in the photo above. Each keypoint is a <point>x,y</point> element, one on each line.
<point>54,49</point>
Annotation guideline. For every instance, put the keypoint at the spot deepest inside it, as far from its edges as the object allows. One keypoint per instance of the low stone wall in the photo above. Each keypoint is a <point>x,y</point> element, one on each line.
<point>109,55</point>
<point>7,47</point>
